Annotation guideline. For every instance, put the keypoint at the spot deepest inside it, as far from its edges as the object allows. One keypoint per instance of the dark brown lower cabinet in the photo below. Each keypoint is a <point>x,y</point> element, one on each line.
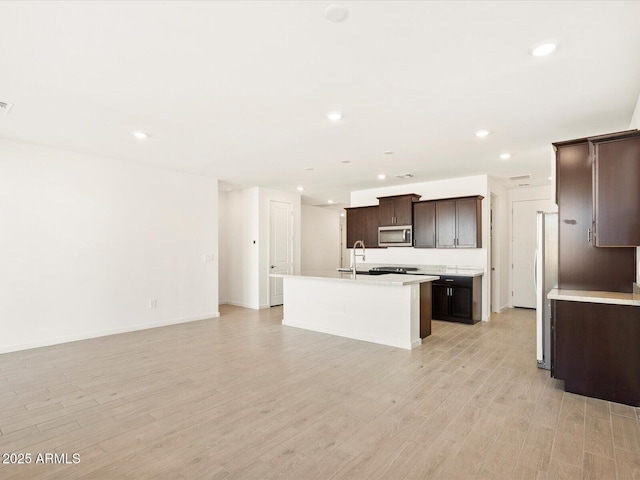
<point>425,309</point>
<point>457,299</point>
<point>597,350</point>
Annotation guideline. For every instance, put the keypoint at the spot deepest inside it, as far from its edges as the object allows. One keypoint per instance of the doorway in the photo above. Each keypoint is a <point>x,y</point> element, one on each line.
<point>280,247</point>
<point>523,248</point>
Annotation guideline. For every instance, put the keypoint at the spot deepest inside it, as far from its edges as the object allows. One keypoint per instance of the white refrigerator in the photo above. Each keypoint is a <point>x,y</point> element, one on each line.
<point>546,278</point>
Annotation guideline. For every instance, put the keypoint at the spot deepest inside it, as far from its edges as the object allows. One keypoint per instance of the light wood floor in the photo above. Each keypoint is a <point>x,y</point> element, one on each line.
<point>241,397</point>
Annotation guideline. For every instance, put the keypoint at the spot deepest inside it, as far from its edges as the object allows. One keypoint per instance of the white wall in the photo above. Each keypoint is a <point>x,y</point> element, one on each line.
<point>635,123</point>
<point>455,187</point>
<point>86,242</point>
<point>320,236</point>
<point>247,244</point>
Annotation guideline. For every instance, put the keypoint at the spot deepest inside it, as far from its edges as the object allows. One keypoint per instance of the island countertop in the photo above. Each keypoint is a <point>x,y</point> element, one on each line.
<point>454,270</point>
<point>391,279</point>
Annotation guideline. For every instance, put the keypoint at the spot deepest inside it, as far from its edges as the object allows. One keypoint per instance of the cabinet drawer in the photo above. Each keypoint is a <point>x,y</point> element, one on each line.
<point>454,281</point>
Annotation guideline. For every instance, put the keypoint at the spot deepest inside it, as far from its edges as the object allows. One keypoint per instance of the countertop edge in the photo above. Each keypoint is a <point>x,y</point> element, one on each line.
<point>398,280</point>
<point>611,298</point>
<point>428,269</point>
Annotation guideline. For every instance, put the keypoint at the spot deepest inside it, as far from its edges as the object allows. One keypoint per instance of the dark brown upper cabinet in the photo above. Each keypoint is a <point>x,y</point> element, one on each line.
<point>458,222</point>
<point>616,189</point>
<point>424,224</point>
<point>581,265</point>
<point>396,210</point>
<point>362,224</point>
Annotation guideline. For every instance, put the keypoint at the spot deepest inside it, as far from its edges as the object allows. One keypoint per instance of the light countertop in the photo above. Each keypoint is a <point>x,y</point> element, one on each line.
<point>429,269</point>
<point>613,298</point>
<point>391,279</point>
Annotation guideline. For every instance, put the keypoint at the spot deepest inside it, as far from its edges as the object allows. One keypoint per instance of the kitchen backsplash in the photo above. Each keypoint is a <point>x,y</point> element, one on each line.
<point>427,256</point>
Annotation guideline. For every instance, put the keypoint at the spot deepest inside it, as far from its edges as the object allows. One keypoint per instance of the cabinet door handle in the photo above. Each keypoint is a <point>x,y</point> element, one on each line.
<point>589,235</point>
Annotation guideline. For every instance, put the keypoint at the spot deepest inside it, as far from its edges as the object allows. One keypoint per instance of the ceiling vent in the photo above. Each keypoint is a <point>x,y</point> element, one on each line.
<point>5,107</point>
<point>404,175</point>
<point>524,184</point>
<point>520,177</point>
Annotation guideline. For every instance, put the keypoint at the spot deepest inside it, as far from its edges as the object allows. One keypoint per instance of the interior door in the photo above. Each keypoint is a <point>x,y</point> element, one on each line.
<point>524,225</point>
<point>280,247</point>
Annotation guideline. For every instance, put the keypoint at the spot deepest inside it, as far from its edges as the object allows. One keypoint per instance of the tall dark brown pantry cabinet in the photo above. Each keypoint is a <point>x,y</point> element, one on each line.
<point>581,265</point>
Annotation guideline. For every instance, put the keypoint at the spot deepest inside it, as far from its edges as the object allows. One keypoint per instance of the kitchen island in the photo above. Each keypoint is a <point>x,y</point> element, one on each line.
<point>384,309</point>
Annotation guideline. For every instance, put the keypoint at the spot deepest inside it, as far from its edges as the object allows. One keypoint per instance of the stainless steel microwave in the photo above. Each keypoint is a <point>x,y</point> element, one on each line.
<point>396,236</point>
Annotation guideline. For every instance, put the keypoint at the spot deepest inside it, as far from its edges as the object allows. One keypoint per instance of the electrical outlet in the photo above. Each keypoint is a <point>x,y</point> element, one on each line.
<point>208,257</point>
<point>153,303</point>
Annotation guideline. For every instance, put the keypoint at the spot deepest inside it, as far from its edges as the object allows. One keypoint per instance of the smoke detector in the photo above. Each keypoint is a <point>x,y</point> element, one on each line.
<point>5,107</point>
<point>520,177</point>
<point>335,13</point>
<point>404,175</point>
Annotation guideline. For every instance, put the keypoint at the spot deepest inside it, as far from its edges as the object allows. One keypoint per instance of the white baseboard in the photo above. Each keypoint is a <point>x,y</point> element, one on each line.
<point>242,304</point>
<point>102,333</point>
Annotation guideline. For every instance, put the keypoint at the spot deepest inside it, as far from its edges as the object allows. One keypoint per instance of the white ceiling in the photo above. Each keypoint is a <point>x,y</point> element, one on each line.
<point>239,90</point>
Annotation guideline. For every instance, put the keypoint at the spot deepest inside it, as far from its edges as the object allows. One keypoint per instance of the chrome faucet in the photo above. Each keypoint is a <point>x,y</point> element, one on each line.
<point>355,255</point>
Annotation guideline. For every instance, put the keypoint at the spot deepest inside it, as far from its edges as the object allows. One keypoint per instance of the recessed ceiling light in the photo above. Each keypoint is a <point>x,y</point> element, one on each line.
<point>309,169</point>
<point>388,152</point>
<point>329,201</point>
<point>335,13</point>
<point>300,189</point>
<point>505,156</point>
<point>140,135</point>
<point>482,133</point>
<point>550,178</point>
<point>544,49</point>
<point>382,176</point>
<point>334,116</point>
<point>342,214</point>
<point>345,161</point>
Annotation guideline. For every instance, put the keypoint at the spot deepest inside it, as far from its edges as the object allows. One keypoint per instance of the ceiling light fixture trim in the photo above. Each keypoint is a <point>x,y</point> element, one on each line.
<point>140,135</point>
<point>334,116</point>
<point>544,49</point>
<point>335,12</point>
